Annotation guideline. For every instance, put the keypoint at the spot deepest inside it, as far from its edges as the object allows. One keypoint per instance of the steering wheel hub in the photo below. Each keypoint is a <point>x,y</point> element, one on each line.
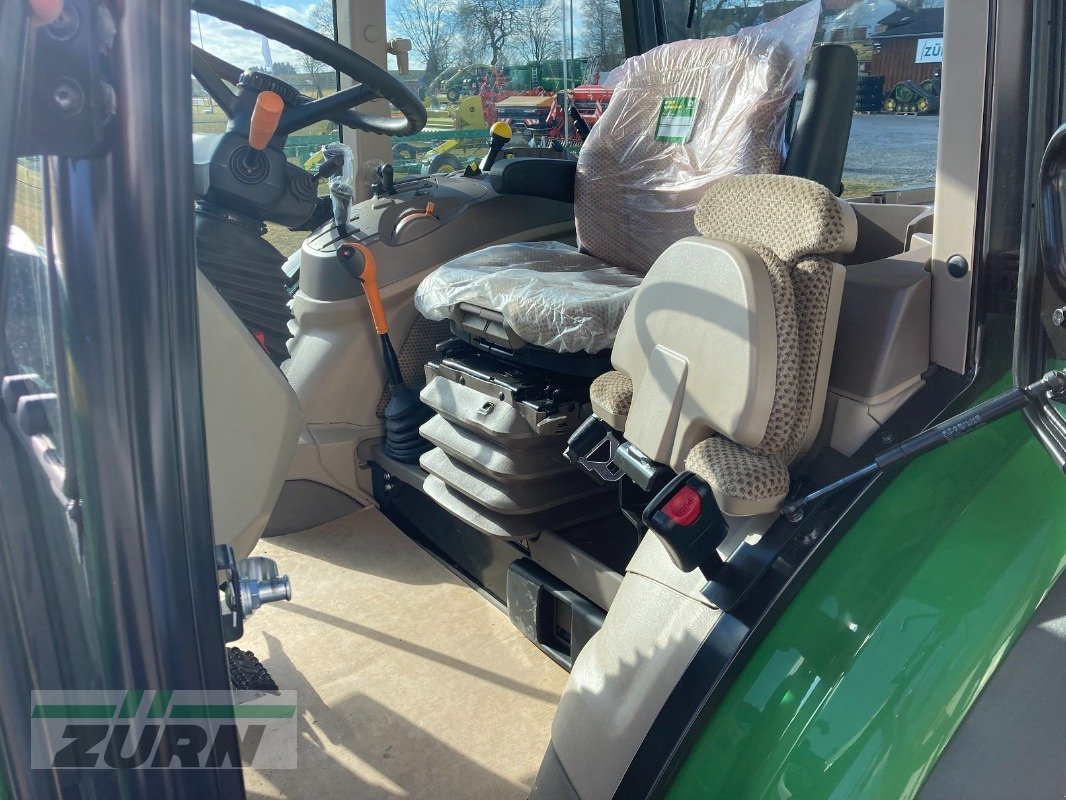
<point>261,82</point>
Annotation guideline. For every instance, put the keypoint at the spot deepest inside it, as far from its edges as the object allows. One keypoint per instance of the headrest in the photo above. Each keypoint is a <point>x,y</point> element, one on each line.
<point>793,217</point>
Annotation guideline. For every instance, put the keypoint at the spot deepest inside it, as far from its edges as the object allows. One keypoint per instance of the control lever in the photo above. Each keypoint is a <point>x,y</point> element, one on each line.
<point>580,126</point>
<point>386,186</point>
<point>332,165</point>
<point>340,194</point>
<point>501,135</point>
<point>405,412</point>
<point>265,118</point>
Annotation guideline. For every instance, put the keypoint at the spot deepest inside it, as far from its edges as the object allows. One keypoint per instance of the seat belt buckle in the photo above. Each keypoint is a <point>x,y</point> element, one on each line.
<point>686,518</point>
<point>592,447</point>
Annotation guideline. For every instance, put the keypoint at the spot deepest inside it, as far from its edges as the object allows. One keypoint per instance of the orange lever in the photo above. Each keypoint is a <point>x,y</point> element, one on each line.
<point>44,12</point>
<point>369,279</point>
<point>265,119</point>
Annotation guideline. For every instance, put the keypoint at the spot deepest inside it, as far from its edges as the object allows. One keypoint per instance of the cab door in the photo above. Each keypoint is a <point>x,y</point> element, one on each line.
<point>107,575</point>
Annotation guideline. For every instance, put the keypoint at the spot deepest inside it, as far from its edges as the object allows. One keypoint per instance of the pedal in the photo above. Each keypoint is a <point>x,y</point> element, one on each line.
<point>592,447</point>
<point>247,672</point>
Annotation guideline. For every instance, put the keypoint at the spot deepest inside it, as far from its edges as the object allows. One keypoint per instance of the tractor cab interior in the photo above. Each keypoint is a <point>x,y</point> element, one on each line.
<point>573,386</point>
<point>586,386</point>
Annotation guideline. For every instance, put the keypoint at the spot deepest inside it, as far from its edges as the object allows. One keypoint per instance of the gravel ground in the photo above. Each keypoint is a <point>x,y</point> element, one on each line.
<point>886,151</point>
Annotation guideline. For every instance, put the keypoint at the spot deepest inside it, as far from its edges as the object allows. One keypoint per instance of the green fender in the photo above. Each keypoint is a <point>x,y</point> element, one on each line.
<point>860,685</point>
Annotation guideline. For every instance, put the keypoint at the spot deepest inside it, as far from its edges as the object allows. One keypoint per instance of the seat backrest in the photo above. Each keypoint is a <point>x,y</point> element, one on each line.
<point>682,116</point>
<point>729,339</point>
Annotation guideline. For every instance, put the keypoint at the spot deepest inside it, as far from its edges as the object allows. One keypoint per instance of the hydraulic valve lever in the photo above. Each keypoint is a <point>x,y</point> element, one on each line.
<point>501,135</point>
<point>405,412</point>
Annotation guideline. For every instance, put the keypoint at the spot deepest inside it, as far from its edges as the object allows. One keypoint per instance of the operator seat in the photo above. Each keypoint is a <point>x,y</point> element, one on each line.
<point>682,116</point>
<point>765,316</point>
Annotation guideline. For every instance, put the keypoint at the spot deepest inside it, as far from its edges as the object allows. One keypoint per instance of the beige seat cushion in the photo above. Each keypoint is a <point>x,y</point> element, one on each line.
<point>611,394</point>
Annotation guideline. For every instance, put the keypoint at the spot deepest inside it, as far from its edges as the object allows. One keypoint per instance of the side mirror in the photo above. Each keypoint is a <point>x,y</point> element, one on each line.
<point>1053,219</point>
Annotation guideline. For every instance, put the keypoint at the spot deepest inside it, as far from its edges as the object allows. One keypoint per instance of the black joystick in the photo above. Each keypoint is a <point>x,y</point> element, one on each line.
<point>385,187</point>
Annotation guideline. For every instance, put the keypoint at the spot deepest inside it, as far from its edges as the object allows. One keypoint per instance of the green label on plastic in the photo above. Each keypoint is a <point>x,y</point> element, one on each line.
<point>676,117</point>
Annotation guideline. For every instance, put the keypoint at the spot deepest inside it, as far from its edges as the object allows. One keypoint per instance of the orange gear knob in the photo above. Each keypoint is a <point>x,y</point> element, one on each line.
<point>44,12</point>
<point>265,118</point>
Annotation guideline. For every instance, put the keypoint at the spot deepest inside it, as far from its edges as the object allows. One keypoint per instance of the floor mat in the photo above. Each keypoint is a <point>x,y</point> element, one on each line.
<point>410,684</point>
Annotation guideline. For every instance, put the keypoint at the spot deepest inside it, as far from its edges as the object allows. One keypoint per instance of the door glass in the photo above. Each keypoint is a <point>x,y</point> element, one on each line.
<point>27,314</point>
<point>900,47</point>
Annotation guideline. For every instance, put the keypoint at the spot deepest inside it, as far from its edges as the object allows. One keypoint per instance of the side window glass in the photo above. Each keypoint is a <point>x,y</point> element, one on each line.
<point>31,384</point>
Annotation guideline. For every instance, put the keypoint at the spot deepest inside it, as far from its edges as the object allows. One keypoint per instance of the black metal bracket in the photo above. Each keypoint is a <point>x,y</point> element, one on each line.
<point>67,97</point>
<point>230,584</point>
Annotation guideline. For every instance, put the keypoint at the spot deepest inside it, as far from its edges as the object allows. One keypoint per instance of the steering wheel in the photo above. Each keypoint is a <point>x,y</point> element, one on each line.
<point>371,81</point>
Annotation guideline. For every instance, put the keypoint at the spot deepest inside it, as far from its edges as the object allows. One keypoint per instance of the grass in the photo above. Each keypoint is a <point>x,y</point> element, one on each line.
<point>861,188</point>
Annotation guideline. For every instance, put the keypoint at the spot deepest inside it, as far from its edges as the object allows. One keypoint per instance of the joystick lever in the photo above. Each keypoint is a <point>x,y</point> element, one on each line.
<point>340,194</point>
<point>405,412</point>
<point>501,135</point>
<point>385,186</point>
<point>265,118</point>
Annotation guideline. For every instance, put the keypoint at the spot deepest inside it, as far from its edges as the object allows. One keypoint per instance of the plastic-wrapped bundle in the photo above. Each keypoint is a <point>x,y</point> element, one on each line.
<point>636,192</point>
<point>525,283</point>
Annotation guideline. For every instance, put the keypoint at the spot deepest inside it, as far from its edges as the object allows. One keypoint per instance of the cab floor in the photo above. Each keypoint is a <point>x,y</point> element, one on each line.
<point>409,683</point>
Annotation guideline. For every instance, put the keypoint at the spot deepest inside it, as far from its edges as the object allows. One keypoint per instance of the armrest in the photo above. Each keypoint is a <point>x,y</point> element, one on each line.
<point>550,178</point>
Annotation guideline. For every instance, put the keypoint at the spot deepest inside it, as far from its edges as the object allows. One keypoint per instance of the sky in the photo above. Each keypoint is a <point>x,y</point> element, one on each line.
<point>243,48</point>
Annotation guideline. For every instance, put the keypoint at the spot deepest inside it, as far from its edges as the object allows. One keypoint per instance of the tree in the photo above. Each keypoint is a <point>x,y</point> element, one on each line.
<point>429,24</point>
<point>602,37</point>
<point>538,31</point>
<point>493,22</point>
<point>283,68</point>
<point>317,72</point>
<point>320,19</point>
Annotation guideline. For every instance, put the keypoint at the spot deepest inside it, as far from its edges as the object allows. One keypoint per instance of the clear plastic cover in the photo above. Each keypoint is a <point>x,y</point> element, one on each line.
<point>549,293</point>
<point>683,115</point>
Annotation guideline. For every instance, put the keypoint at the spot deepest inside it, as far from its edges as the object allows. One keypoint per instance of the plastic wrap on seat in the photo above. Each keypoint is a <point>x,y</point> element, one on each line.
<point>550,294</point>
<point>683,115</point>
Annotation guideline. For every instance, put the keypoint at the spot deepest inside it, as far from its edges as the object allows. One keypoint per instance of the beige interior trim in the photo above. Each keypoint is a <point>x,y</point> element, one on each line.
<point>621,679</point>
<point>958,171</point>
<point>252,421</point>
<point>699,342</point>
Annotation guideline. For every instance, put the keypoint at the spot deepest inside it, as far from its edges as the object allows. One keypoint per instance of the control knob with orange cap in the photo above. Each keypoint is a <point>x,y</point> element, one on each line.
<point>265,118</point>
